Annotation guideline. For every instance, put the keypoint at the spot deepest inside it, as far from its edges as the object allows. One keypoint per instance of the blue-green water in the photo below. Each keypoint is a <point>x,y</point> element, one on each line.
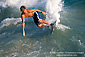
<point>67,39</point>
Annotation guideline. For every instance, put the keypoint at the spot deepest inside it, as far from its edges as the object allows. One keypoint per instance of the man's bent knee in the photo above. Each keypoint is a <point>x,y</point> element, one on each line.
<point>41,21</point>
<point>40,25</point>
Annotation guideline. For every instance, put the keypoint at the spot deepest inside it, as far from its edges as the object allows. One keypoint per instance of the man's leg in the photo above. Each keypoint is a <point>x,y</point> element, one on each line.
<point>43,21</point>
<point>42,25</point>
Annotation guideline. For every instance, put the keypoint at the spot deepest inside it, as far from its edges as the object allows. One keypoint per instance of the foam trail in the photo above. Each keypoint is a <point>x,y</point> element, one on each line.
<point>62,27</point>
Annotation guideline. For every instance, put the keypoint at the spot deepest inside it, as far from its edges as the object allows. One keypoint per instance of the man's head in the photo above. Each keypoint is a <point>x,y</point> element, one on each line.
<point>22,8</point>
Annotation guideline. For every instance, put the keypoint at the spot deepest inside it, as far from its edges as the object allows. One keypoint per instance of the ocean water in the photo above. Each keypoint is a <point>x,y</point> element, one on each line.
<point>66,40</point>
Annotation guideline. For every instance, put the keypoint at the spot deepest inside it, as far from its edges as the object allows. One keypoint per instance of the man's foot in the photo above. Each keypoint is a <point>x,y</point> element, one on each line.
<point>51,24</point>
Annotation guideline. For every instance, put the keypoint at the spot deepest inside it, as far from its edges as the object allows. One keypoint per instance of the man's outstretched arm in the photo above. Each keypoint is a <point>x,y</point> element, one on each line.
<point>41,11</point>
<point>33,10</point>
<point>23,24</point>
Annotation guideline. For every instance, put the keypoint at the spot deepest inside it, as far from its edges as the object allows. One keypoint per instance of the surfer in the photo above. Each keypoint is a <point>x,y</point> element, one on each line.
<point>35,14</point>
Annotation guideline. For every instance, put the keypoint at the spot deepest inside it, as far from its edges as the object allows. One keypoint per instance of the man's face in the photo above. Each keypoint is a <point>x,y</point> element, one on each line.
<point>25,11</point>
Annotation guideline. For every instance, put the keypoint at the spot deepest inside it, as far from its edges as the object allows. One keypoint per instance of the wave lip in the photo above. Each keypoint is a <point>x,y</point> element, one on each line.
<point>9,21</point>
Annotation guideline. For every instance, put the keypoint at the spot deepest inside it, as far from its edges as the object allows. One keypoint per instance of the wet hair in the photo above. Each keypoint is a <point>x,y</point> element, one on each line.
<point>22,7</point>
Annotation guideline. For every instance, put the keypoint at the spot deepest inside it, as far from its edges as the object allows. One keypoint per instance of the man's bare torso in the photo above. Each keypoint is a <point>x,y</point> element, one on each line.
<point>30,13</point>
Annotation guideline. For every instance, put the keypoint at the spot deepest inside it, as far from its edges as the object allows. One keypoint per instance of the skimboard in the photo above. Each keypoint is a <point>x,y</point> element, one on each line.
<point>51,27</point>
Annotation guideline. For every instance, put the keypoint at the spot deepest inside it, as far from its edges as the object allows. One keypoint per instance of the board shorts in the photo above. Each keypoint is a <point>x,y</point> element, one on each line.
<point>36,18</point>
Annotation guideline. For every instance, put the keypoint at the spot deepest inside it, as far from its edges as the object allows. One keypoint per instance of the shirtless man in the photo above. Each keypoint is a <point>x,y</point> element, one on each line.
<point>35,14</point>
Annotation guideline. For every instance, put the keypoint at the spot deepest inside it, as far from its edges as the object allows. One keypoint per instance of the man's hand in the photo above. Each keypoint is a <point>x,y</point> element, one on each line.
<point>23,33</point>
<point>43,13</point>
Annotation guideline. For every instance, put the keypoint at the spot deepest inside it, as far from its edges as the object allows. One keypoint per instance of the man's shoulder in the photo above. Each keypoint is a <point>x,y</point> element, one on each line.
<point>22,15</point>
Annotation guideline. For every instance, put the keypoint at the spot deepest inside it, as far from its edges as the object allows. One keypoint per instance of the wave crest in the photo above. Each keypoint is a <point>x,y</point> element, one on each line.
<point>9,21</point>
